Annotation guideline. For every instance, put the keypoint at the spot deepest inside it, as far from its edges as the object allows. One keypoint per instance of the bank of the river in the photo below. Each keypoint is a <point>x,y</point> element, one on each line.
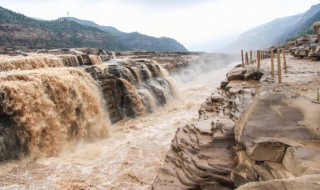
<point>251,135</point>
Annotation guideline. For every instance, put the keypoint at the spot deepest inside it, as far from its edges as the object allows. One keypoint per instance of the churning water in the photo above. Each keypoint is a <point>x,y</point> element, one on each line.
<point>131,157</point>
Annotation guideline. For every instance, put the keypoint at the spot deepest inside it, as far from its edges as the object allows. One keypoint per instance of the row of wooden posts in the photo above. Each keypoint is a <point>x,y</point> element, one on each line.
<point>264,55</point>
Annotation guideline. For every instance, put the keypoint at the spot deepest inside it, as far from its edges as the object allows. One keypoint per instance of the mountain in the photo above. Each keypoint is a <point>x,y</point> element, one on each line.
<point>19,31</point>
<point>135,40</point>
<point>276,31</point>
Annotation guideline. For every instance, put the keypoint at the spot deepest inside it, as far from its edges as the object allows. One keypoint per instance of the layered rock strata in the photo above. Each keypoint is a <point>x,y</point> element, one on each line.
<point>203,154</point>
<point>250,135</point>
<point>280,138</point>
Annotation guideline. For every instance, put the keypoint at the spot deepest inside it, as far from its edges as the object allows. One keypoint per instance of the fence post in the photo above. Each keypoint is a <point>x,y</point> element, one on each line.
<point>242,57</point>
<point>247,59</point>
<point>250,56</point>
<point>258,58</point>
<point>279,66</point>
<point>284,60</point>
<point>272,63</point>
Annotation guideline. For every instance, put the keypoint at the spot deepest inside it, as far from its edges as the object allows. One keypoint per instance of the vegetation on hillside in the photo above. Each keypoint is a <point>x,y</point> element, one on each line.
<point>277,31</point>
<point>20,31</point>
<point>308,31</point>
<point>135,40</point>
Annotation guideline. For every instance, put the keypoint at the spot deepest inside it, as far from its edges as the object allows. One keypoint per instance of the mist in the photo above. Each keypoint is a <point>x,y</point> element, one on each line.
<point>207,69</point>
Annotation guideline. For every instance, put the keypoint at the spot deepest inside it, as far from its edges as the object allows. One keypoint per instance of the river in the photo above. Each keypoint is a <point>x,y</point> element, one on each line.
<point>129,159</point>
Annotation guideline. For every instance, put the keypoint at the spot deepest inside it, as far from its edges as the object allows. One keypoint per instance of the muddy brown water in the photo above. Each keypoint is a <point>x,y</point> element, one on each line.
<point>129,159</point>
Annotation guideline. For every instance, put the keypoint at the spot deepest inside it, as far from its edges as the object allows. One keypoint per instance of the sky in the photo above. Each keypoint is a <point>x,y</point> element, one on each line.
<point>200,25</point>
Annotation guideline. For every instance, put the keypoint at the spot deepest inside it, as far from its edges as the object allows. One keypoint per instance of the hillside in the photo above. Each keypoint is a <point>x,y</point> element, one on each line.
<point>19,31</point>
<point>276,31</point>
<point>135,40</point>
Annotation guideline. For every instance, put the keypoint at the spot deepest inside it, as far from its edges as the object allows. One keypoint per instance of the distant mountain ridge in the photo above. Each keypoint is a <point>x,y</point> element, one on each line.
<point>20,31</point>
<point>276,31</point>
<point>135,40</point>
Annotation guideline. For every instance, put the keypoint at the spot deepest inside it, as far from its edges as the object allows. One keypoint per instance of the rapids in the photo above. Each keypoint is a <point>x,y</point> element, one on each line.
<point>131,157</point>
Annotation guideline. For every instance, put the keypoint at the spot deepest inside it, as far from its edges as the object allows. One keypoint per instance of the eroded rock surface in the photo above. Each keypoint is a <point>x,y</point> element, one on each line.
<point>202,154</point>
<point>265,134</point>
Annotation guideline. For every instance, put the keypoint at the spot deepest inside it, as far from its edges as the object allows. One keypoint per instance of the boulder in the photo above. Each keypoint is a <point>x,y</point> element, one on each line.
<point>244,73</point>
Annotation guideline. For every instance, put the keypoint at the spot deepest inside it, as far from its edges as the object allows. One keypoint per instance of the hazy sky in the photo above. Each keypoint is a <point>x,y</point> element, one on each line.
<point>198,24</point>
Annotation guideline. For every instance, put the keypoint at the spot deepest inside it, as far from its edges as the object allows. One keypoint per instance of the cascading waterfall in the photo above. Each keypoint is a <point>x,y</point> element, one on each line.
<point>148,99</point>
<point>43,110</point>
<point>95,59</point>
<point>30,62</point>
<point>133,87</point>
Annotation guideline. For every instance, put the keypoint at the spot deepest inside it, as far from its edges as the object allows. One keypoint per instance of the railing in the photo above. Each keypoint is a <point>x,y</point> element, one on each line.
<point>259,55</point>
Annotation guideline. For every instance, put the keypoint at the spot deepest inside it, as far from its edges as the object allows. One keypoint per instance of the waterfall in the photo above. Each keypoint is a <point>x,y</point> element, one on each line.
<point>148,99</point>
<point>95,59</point>
<point>43,110</point>
<point>132,87</point>
<point>45,104</point>
<point>37,62</point>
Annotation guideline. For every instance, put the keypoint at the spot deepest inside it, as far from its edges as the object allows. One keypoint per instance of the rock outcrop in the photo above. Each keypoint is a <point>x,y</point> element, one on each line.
<point>306,46</point>
<point>203,154</point>
<point>250,135</point>
<point>279,135</point>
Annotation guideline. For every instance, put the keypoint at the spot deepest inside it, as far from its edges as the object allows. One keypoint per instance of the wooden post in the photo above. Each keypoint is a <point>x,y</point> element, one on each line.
<point>279,66</point>
<point>284,60</point>
<point>242,58</point>
<point>247,59</point>
<point>272,64</point>
<point>250,56</point>
<point>258,58</point>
